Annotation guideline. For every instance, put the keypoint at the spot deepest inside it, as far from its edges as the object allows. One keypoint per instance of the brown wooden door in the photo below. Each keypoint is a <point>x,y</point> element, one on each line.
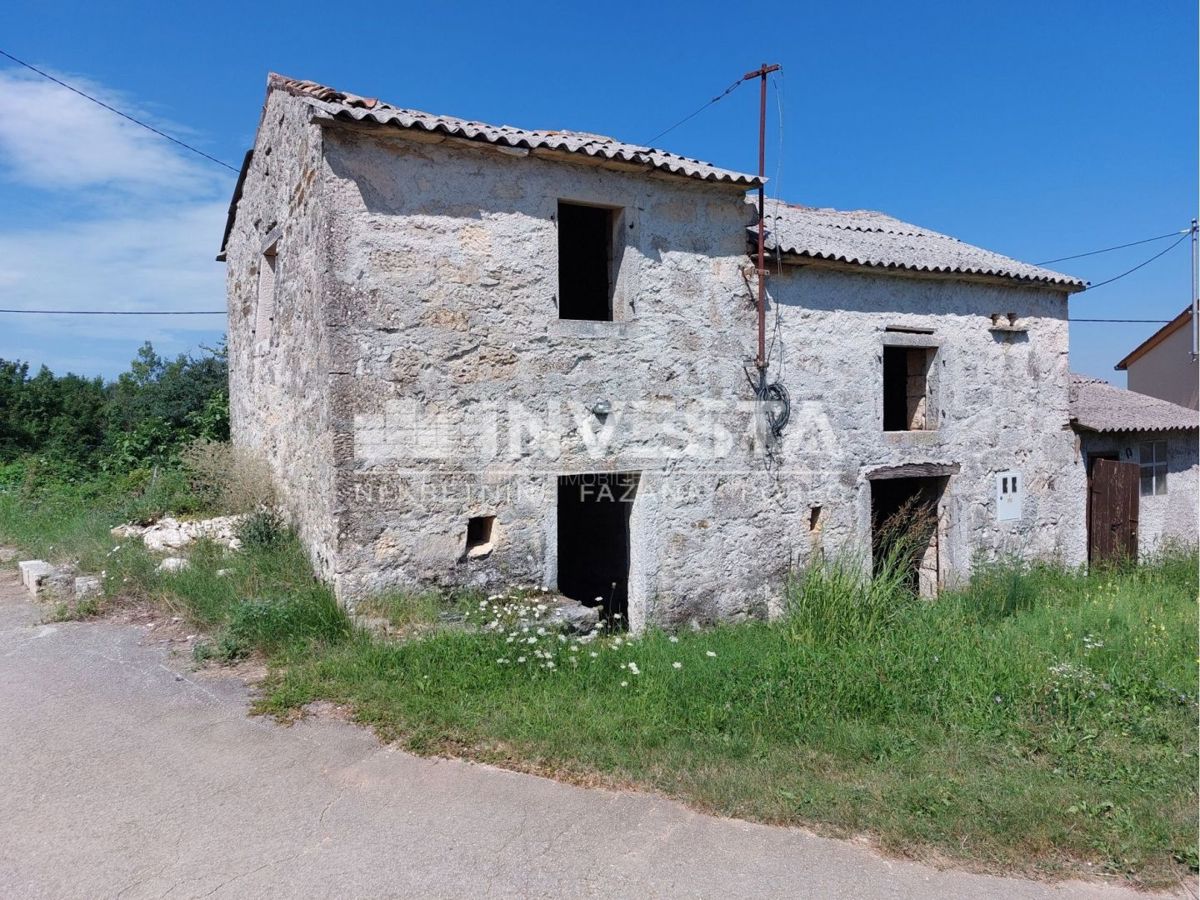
<point>1113,511</point>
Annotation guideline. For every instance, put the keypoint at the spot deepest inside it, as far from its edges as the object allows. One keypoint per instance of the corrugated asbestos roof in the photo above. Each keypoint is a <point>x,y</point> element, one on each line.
<point>1099,406</point>
<point>351,107</point>
<point>868,238</point>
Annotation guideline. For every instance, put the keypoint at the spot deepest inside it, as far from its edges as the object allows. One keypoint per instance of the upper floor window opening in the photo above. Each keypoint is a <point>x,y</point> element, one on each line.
<point>590,245</point>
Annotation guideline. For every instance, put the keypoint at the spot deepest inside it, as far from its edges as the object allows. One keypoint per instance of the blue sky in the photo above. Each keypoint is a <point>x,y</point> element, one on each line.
<point>1036,129</point>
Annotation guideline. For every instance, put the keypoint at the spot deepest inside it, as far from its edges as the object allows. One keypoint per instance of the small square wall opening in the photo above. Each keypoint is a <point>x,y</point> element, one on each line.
<point>479,535</point>
<point>588,256</point>
<point>907,398</point>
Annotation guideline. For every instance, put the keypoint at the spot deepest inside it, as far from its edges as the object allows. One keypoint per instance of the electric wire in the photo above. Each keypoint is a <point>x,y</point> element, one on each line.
<point>1182,238</point>
<point>123,115</point>
<point>1118,247</point>
<point>721,96</point>
<point>1138,321</point>
<point>117,312</point>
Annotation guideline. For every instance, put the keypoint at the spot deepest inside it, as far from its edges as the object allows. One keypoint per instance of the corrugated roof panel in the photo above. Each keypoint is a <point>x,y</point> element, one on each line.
<point>868,238</point>
<point>1097,405</point>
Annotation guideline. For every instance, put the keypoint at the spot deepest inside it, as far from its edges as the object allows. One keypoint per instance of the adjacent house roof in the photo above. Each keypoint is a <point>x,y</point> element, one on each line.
<point>1155,339</point>
<point>875,240</point>
<point>1099,406</point>
<point>351,107</point>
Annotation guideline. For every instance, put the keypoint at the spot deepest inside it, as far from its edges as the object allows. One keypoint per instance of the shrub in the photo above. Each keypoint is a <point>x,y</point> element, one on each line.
<point>262,530</point>
<point>228,478</point>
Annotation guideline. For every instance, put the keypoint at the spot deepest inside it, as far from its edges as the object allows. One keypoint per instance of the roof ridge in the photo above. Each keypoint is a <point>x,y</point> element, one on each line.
<point>344,105</point>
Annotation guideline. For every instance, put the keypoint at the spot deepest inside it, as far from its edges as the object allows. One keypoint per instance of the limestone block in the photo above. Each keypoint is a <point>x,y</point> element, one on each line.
<point>34,572</point>
<point>88,586</point>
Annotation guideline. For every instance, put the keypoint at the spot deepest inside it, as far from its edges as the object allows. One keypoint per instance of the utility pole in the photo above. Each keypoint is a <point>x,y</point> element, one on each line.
<point>761,73</point>
<point>1195,292</point>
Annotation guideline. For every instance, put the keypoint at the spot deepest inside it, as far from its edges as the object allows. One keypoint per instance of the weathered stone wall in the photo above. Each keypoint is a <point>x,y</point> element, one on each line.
<point>419,375</point>
<point>441,307</point>
<point>279,396</point>
<point>442,296</point>
<point>1162,518</point>
<point>1000,399</point>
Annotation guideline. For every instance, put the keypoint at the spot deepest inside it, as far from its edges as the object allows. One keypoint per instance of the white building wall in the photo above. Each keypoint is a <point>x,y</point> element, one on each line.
<point>1168,371</point>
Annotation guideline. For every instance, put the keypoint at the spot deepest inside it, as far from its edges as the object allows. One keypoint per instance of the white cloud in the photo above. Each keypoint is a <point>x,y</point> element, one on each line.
<point>55,139</point>
<point>130,221</point>
<point>161,260</point>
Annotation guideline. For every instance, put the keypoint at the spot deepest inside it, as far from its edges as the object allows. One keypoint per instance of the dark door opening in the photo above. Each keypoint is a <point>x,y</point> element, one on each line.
<point>904,529</point>
<point>593,539</point>
<point>1112,510</point>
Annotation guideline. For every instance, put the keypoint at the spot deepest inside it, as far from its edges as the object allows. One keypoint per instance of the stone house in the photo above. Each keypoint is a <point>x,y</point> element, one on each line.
<point>480,355</point>
<point>1163,366</point>
<point>1141,457</point>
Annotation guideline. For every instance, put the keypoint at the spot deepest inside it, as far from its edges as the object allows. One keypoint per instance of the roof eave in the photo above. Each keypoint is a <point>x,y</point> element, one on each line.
<point>813,259</point>
<point>1154,340</point>
<point>1132,429</point>
<point>231,215</point>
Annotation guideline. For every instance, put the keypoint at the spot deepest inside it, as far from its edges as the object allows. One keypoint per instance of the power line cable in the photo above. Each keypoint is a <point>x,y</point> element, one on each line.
<point>1139,321</point>
<point>721,96</point>
<point>1182,238</point>
<point>111,109</point>
<point>1110,249</point>
<point>117,312</point>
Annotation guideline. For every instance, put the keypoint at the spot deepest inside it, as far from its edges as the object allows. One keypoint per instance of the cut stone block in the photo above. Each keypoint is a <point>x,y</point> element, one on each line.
<point>88,586</point>
<point>34,572</point>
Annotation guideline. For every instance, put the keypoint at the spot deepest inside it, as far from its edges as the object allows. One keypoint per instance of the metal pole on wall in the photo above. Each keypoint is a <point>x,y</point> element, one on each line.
<point>761,73</point>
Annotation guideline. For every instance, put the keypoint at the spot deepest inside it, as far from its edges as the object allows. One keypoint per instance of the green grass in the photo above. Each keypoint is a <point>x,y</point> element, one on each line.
<point>1039,720</point>
<point>264,598</point>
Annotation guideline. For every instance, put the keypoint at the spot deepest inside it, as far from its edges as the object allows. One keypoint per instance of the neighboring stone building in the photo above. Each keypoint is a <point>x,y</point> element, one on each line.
<point>1141,457</point>
<point>1163,366</point>
<point>462,346</point>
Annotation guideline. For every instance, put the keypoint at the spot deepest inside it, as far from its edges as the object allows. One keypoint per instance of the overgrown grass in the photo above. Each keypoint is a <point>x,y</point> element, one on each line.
<point>1038,720</point>
<point>263,598</point>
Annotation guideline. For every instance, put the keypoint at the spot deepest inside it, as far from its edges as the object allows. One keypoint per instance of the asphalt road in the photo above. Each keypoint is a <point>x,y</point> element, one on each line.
<point>123,774</point>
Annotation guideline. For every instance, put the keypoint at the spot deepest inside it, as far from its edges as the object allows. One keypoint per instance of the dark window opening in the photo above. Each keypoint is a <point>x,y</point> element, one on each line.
<point>585,262</point>
<point>814,518</point>
<point>593,540</point>
<point>479,535</point>
<point>906,401</point>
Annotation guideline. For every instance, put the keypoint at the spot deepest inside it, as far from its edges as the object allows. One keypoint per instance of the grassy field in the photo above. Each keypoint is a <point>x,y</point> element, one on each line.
<point>1039,720</point>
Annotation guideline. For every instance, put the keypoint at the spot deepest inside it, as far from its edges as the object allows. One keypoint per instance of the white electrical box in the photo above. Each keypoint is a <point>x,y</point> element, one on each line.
<point>1008,495</point>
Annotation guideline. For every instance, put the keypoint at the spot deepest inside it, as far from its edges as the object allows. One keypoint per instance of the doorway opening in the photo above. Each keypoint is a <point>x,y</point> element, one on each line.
<point>905,532</point>
<point>593,540</point>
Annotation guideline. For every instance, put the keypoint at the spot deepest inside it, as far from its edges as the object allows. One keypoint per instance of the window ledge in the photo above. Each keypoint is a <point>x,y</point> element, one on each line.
<point>585,328</point>
<point>924,436</point>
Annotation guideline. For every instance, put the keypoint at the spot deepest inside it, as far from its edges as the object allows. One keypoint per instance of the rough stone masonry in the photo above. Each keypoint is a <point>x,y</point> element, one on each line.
<point>407,351</point>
